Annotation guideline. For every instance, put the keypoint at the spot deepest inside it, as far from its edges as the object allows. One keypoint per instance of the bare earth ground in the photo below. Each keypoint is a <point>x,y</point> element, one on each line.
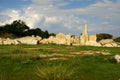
<point>57,56</point>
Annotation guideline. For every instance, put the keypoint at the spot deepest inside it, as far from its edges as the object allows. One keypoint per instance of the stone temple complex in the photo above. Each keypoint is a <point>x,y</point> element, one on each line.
<point>61,38</point>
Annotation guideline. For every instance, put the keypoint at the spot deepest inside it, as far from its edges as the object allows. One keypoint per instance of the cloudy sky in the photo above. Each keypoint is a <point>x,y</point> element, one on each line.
<point>68,16</point>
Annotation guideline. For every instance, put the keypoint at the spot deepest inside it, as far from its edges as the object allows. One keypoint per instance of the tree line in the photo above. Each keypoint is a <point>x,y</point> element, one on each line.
<point>19,28</point>
<point>101,36</point>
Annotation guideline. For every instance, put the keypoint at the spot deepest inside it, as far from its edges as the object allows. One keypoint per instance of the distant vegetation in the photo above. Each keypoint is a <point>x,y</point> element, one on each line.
<point>117,39</point>
<point>103,36</point>
<point>18,28</point>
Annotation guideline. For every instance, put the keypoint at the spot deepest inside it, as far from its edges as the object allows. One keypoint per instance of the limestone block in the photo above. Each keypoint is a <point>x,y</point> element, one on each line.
<point>51,39</point>
<point>16,42</point>
<point>117,58</point>
<point>108,45</point>
<point>76,40</point>
<point>1,41</point>
<point>60,38</point>
<point>93,38</point>
<point>27,40</point>
<point>106,41</point>
<point>38,38</point>
<point>8,41</point>
<point>93,43</point>
<point>114,44</point>
<point>44,41</point>
<point>69,39</point>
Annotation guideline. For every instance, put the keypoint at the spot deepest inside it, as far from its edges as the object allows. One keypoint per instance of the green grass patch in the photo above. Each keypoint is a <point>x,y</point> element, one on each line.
<point>22,62</point>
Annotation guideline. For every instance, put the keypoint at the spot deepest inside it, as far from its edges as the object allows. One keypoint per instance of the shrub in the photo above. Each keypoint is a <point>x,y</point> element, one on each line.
<point>7,35</point>
<point>55,72</point>
<point>117,39</point>
<point>103,36</point>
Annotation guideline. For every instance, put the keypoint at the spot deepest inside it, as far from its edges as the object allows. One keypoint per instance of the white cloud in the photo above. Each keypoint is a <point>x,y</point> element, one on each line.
<point>11,16</point>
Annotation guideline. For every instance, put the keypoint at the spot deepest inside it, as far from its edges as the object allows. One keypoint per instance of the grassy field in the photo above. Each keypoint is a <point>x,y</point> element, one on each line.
<point>22,62</point>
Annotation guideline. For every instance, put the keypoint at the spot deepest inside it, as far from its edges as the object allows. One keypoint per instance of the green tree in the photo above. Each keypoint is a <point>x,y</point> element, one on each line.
<point>46,34</point>
<point>19,27</point>
<point>103,36</point>
<point>117,39</point>
<point>52,34</point>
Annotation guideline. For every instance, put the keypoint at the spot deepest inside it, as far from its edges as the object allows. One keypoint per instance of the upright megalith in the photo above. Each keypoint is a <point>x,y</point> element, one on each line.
<point>84,37</point>
<point>60,38</point>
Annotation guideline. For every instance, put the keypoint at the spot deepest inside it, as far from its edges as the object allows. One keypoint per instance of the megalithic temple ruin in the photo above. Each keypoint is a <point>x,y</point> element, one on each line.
<point>61,38</point>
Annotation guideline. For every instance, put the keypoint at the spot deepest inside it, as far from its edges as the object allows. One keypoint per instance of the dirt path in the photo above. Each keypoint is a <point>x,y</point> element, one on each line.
<point>57,56</point>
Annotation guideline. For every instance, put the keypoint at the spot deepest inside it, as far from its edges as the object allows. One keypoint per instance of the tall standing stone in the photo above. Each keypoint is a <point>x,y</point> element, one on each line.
<point>84,36</point>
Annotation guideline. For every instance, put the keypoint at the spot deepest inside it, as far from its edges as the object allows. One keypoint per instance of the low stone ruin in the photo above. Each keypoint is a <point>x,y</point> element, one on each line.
<point>23,40</point>
<point>62,38</point>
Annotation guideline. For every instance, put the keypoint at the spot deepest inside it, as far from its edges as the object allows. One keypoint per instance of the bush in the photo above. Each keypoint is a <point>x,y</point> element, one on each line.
<point>117,39</point>
<point>103,36</point>
<point>18,28</point>
<point>7,35</point>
